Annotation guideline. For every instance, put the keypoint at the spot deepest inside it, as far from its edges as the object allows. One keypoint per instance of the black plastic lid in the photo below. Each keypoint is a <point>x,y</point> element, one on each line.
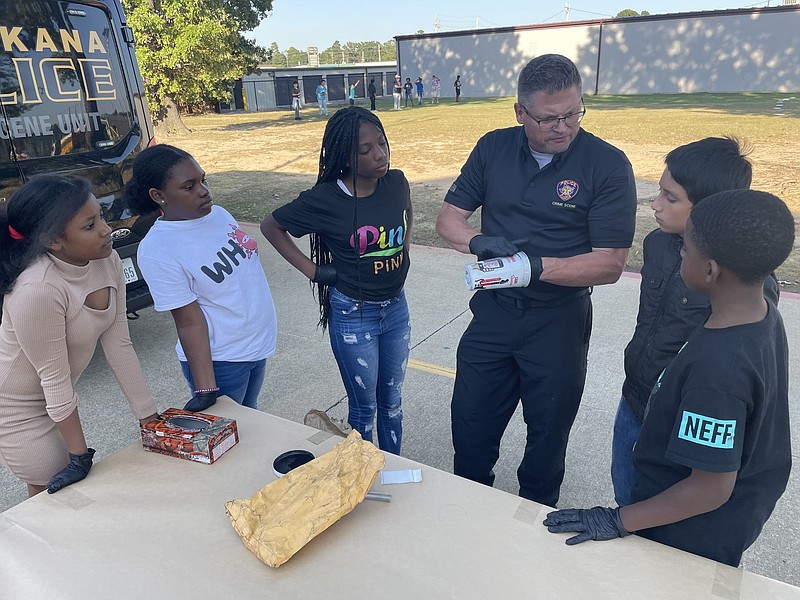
<point>291,460</point>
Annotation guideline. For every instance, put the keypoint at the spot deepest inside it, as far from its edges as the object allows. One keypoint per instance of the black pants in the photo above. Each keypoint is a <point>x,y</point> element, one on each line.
<point>372,102</point>
<point>507,354</point>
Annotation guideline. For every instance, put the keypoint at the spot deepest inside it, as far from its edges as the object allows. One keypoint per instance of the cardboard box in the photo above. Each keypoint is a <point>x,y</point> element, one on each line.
<point>193,436</point>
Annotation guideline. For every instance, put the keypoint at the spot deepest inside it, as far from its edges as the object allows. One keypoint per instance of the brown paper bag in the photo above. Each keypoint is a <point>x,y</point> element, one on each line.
<point>283,516</point>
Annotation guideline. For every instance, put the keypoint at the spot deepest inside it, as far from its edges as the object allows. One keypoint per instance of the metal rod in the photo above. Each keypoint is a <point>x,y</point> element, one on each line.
<point>378,497</point>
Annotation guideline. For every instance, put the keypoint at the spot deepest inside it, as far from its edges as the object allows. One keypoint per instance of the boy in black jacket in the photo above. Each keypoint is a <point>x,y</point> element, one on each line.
<point>668,310</point>
<point>714,453</point>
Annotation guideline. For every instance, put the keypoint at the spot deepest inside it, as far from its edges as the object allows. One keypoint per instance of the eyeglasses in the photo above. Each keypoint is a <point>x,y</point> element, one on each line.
<point>550,123</point>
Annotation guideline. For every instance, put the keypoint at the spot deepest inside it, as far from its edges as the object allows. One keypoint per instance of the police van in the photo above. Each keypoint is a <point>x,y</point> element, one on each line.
<point>72,101</point>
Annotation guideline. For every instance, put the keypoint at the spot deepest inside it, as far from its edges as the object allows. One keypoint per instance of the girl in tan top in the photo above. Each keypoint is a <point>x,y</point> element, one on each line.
<point>63,290</point>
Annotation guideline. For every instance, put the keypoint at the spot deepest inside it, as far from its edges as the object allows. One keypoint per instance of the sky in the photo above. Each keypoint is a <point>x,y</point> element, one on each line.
<point>304,24</point>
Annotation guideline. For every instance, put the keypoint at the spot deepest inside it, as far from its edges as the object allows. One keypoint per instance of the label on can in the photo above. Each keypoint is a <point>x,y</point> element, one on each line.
<point>504,272</point>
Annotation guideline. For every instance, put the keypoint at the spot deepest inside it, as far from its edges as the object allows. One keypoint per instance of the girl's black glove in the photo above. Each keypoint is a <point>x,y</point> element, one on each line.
<point>201,401</point>
<point>325,275</point>
<point>77,469</point>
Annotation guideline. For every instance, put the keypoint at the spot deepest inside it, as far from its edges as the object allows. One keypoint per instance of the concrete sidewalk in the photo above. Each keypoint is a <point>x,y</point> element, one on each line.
<point>303,375</point>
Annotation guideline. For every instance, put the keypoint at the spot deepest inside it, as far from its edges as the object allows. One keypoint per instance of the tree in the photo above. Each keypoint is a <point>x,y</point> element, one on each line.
<point>389,50</point>
<point>356,52</point>
<point>275,57</point>
<point>295,57</point>
<point>352,52</point>
<point>192,51</point>
<point>331,55</point>
<point>629,12</point>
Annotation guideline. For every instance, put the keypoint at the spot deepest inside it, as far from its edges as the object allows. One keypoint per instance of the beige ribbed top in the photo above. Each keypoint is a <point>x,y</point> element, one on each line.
<point>48,336</point>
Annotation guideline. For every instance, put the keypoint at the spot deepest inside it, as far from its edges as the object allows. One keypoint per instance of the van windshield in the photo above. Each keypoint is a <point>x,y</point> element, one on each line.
<point>62,85</point>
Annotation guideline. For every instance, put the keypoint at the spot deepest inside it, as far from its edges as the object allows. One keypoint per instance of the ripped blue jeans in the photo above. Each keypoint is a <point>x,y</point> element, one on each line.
<point>370,341</point>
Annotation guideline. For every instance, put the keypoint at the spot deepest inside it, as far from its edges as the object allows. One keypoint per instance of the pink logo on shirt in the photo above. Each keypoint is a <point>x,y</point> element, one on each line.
<point>248,244</point>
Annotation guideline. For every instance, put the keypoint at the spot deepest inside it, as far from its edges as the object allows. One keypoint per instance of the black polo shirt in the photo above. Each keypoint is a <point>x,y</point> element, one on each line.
<point>585,198</point>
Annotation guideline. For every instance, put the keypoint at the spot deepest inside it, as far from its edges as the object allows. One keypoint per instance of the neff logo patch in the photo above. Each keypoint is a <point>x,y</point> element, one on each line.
<point>707,431</point>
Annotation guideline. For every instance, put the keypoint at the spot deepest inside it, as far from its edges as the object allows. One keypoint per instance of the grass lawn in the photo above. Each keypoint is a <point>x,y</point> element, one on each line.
<point>259,161</point>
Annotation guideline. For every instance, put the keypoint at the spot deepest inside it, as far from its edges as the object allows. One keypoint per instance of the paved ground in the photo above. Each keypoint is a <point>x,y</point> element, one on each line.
<point>303,375</point>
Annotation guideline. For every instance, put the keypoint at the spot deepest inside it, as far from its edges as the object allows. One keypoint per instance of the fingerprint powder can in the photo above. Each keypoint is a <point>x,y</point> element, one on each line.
<point>505,272</point>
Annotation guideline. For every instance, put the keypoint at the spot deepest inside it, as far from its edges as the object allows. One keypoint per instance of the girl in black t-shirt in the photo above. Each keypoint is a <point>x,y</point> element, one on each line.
<point>359,217</point>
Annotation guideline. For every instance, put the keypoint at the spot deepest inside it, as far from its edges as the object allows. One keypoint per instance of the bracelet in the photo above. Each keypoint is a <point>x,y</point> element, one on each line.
<point>206,391</point>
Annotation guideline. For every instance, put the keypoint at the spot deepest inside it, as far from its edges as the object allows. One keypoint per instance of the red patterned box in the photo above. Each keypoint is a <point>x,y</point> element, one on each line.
<point>193,436</point>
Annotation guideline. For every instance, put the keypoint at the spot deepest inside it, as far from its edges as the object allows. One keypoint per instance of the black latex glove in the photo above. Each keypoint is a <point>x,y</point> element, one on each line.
<point>486,246</point>
<point>598,523</point>
<point>536,268</point>
<point>325,275</point>
<point>77,469</point>
<point>201,401</point>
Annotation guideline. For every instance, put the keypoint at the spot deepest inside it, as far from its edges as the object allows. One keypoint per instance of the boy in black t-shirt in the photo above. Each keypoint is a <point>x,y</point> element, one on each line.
<point>714,454</point>
<point>668,310</point>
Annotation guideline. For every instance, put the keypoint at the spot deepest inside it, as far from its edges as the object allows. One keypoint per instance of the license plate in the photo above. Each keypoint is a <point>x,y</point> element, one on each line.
<point>129,270</point>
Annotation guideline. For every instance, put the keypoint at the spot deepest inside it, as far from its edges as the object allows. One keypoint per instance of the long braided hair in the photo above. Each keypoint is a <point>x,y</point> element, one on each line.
<point>338,157</point>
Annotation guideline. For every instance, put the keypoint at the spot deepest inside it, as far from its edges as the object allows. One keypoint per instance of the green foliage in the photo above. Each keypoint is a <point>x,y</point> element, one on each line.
<point>275,57</point>
<point>191,51</point>
<point>629,12</point>
<point>295,57</point>
<point>358,52</point>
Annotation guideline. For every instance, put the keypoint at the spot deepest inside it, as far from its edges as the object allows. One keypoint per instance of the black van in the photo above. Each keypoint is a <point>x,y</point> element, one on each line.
<point>72,101</point>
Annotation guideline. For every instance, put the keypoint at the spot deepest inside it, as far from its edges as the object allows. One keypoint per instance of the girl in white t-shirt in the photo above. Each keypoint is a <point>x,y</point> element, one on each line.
<point>203,268</point>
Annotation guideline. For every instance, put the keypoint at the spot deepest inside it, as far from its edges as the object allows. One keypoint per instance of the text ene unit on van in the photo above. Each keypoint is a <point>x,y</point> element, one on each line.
<point>20,127</point>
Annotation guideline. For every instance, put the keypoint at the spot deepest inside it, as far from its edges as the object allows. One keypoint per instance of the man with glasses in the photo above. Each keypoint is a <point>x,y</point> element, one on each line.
<point>568,200</point>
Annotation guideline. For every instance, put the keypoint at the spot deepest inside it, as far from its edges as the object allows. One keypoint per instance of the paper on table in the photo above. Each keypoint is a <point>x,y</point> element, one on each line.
<point>283,516</point>
<point>402,476</point>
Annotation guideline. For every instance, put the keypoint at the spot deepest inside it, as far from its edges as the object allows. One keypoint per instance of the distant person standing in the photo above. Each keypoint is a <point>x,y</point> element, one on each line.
<point>420,90</point>
<point>352,93</point>
<point>322,97</point>
<point>407,88</point>
<point>296,99</point>
<point>436,90</point>
<point>372,91</point>
<point>457,85</point>
<point>397,91</point>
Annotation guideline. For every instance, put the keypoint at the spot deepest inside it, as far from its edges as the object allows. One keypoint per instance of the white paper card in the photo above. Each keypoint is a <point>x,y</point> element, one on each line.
<point>402,476</point>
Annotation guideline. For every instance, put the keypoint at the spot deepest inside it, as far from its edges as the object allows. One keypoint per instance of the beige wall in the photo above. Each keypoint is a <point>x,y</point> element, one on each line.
<point>754,50</point>
<point>489,63</point>
<point>737,53</point>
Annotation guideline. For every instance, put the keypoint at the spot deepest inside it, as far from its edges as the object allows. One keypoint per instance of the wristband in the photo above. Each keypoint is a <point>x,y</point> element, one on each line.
<point>206,391</point>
